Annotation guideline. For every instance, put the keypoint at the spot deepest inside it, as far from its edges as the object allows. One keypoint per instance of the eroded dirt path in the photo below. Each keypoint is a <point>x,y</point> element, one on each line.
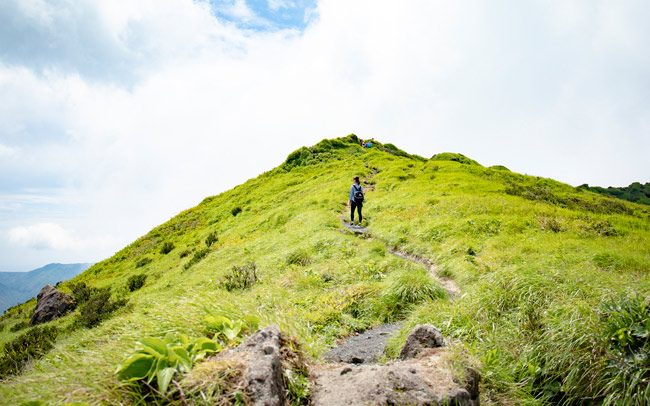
<point>365,348</point>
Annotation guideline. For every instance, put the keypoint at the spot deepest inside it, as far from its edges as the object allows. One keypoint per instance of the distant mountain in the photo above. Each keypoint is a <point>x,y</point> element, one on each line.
<point>17,287</point>
<point>636,192</point>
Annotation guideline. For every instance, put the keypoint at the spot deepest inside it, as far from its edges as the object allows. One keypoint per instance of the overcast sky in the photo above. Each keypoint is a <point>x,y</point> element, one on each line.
<point>116,115</point>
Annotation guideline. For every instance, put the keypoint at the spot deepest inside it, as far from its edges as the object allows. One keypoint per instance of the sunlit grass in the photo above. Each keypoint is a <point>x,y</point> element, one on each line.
<point>533,274</point>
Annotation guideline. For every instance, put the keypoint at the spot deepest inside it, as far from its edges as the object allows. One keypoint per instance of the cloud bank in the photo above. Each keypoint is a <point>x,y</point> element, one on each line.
<point>116,116</point>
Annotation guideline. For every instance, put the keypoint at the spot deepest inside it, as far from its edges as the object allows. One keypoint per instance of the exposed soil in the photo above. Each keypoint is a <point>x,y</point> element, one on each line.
<point>364,348</point>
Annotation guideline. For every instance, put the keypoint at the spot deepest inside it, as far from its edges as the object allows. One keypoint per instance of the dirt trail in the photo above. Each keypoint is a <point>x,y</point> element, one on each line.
<point>369,346</point>
<point>449,285</point>
<point>365,348</point>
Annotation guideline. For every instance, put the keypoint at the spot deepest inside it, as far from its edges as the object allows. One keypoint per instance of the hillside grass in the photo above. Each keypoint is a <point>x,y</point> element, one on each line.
<point>538,263</point>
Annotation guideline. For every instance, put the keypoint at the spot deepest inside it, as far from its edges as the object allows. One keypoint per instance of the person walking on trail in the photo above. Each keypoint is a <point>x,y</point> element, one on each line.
<point>356,199</point>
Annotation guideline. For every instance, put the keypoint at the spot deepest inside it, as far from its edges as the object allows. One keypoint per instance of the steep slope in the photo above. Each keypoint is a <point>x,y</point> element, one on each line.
<point>536,261</point>
<point>24,285</point>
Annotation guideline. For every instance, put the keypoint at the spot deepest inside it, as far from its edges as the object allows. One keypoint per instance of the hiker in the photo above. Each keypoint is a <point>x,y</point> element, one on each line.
<point>356,199</point>
<point>368,144</point>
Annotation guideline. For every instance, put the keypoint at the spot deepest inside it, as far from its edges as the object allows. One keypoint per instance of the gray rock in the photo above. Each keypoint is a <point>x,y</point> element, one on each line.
<point>422,337</point>
<point>51,304</point>
<point>424,381</point>
<point>264,369</point>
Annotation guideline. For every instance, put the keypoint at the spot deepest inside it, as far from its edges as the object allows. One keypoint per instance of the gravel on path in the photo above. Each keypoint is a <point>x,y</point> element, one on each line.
<point>364,348</point>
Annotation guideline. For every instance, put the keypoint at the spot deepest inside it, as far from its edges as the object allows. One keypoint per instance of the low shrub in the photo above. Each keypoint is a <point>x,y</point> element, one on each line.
<point>31,345</point>
<point>135,282</point>
<point>184,253</point>
<point>240,277</point>
<point>82,292</point>
<point>627,331</point>
<point>298,257</point>
<point>211,239</point>
<point>198,256</point>
<point>236,210</point>
<point>408,287</point>
<point>98,307</point>
<point>23,324</point>
<point>144,261</point>
<point>547,223</point>
<point>167,247</point>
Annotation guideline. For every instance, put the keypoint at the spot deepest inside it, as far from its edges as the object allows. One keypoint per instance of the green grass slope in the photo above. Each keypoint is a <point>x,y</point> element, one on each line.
<point>555,280</point>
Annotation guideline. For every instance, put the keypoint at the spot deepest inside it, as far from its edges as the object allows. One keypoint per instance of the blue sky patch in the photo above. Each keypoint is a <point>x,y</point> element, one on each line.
<point>266,15</point>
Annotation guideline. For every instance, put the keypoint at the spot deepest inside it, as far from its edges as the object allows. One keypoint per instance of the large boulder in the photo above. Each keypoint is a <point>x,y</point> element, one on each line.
<point>51,304</point>
<point>422,337</point>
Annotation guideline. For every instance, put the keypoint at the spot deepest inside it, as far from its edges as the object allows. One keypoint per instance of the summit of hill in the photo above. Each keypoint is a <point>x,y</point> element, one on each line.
<point>552,308</point>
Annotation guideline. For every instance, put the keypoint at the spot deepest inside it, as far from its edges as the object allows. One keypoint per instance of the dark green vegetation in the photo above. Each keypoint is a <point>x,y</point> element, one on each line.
<point>28,346</point>
<point>554,280</point>
<point>636,192</point>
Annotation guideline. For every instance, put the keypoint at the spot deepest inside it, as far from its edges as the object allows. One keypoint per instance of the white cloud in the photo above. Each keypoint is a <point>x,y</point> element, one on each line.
<point>43,236</point>
<point>552,91</point>
<point>6,151</point>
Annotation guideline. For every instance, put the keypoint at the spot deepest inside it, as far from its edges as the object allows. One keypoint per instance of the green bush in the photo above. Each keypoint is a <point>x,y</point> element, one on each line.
<point>98,307</point>
<point>298,257</point>
<point>82,292</point>
<point>240,277</point>
<point>236,210</point>
<point>167,247</point>
<point>198,256</point>
<point>23,324</point>
<point>184,253</point>
<point>407,287</point>
<point>144,261</point>
<point>135,282</point>
<point>627,330</point>
<point>211,239</point>
<point>31,345</point>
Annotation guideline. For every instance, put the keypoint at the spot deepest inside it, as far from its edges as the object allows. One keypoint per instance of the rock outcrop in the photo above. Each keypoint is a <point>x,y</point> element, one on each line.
<point>263,372</point>
<point>422,376</point>
<point>51,304</point>
<point>422,337</point>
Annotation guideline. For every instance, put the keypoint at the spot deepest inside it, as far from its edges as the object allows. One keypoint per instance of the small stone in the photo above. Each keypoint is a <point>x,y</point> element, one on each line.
<point>356,360</point>
<point>412,370</point>
<point>346,370</point>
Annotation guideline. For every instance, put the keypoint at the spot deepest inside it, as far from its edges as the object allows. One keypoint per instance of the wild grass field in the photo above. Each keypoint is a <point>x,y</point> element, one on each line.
<point>555,290</point>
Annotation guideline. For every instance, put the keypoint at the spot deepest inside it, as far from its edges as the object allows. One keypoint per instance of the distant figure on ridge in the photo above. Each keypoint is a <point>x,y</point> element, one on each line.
<point>356,199</point>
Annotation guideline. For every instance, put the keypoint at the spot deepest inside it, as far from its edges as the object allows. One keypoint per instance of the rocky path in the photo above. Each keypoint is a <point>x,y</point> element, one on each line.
<point>421,376</point>
<point>364,348</point>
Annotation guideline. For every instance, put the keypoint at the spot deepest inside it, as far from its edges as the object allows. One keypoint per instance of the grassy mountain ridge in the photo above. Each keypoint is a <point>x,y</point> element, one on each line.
<point>538,263</point>
<point>636,192</point>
